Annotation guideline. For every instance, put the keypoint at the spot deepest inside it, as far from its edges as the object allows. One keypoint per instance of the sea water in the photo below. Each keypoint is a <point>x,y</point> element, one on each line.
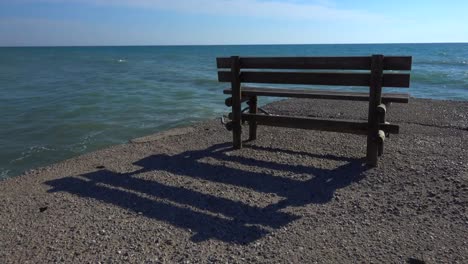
<point>59,102</point>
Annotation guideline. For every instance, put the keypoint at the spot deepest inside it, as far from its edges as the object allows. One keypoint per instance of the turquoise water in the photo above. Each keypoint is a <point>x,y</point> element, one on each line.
<point>57,103</point>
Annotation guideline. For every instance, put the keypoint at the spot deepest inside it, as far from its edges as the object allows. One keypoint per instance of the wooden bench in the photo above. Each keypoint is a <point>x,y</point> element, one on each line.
<point>374,71</point>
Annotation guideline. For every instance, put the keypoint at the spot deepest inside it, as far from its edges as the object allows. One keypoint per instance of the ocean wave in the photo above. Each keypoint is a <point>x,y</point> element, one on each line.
<point>442,63</point>
<point>31,151</point>
<point>85,141</point>
<point>205,81</point>
<point>4,173</point>
<point>451,78</point>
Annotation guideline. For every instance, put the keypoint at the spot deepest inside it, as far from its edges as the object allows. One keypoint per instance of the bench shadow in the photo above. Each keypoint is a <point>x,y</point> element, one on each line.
<point>210,216</point>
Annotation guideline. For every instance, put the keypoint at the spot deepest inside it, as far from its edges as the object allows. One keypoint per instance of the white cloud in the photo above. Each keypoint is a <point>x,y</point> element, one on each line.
<point>314,21</point>
<point>277,9</point>
<point>46,32</point>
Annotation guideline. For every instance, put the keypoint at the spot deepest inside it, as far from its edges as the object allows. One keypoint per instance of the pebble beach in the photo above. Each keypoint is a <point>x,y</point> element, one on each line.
<point>291,196</point>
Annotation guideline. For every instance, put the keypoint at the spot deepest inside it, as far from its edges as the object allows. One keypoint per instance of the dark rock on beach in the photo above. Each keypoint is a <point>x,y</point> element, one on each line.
<point>291,196</point>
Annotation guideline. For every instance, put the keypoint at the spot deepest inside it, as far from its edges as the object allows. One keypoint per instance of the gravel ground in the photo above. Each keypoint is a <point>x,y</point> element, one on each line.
<point>292,196</point>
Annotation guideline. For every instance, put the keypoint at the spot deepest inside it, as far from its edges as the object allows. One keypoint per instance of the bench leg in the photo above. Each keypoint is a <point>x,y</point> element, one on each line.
<point>237,125</point>
<point>237,135</point>
<point>253,109</point>
<point>372,150</point>
<point>381,112</point>
<point>236,103</point>
<point>380,149</point>
<point>375,99</point>
<point>380,142</point>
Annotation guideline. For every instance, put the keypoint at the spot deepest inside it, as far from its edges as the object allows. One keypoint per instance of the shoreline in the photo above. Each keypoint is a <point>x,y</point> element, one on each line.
<point>155,135</point>
<point>290,196</point>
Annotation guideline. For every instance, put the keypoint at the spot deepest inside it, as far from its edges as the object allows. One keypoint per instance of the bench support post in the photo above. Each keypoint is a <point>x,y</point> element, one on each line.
<point>253,109</point>
<point>236,103</point>
<point>375,99</point>
<point>381,112</point>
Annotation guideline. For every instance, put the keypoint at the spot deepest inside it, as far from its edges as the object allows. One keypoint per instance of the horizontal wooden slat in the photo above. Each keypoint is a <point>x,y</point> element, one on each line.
<point>400,80</point>
<point>228,101</point>
<point>314,78</point>
<point>319,94</point>
<point>306,78</point>
<point>398,63</point>
<point>350,63</point>
<point>315,63</point>
<point>224,76</point>
<point>334,125</point>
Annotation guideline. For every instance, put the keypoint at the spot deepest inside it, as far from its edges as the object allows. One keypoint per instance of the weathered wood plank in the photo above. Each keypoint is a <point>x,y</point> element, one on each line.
<point>354,79</point>
<point>381,114</point>
<point>248,91</point>
<point>228,100</point>
<point>397,63</point>
<point>311,63</point>
<point>396,80</point>
<point>236,103</point>
<point>334,125</point>
<point>374,101</point>
<point>314,78</point>
<point>253,109</point>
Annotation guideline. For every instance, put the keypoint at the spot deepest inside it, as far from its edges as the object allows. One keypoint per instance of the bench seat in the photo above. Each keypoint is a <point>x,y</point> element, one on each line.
<point>319,94</point>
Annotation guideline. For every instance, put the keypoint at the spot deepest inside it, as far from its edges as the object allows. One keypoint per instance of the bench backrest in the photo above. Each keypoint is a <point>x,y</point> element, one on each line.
<point>341,71</point>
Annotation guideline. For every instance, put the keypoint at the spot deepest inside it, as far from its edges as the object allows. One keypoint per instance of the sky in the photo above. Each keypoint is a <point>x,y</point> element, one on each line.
<point>212,22</point>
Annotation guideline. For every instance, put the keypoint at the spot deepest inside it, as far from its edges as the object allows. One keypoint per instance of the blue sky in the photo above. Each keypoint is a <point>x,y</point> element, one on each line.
<point>185,22</point>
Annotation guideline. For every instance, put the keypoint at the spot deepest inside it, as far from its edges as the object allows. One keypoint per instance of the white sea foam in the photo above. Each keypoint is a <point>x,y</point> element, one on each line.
<point>4,173</point>
<point>31,151</point>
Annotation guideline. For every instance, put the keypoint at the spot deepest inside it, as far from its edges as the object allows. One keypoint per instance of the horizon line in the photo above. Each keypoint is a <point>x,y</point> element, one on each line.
<point>201,45</point>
